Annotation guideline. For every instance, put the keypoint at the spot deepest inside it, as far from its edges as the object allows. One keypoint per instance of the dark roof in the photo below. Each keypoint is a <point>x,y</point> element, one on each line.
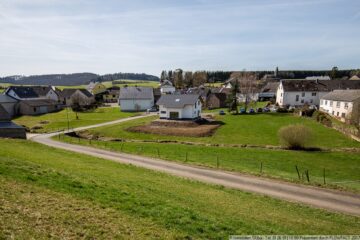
<point>4,115</point>
<point>270,87</point>
<point>41,90</point>
<point>166,83</point>
<point>343,95</point>
<point>23,92</point>
<point>136,93</point>
<point>67,93</point>
<point>318,86</point>
<point>39,102</point>
<point>9,124</point>
<point>177,101</point>
<point>202,91</point>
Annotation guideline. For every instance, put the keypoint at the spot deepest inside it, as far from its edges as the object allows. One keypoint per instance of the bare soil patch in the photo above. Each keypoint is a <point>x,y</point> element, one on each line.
<point>178,128</point>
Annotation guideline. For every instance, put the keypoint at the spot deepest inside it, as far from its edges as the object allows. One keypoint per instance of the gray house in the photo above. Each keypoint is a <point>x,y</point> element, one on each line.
<point>135,99</point>
<point>8,129</point>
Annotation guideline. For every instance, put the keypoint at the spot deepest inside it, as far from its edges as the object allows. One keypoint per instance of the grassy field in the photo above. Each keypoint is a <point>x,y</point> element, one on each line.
<point>59,194</point>
<point>260,129</point>
<point>55,121</point>
<point>341,167</point>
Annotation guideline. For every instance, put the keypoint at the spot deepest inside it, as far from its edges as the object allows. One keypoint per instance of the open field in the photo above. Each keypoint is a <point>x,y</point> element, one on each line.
<point>63,194</point>
<point>130,83</point>
<point>55,121</point>
<point>259,129</point>
<point>341,167</point>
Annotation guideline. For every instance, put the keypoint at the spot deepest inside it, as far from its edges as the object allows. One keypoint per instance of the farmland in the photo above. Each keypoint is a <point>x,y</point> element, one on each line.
<point>59,120</point>
<point>68,195</point>
<point>250,153</point>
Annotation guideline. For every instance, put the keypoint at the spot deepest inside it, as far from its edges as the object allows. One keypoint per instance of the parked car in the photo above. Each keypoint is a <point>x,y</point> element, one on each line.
<point>153,109</point>
<point>251,111</point>
<point>221,112</point>
<point>259,110</point>
<point>242,110</point>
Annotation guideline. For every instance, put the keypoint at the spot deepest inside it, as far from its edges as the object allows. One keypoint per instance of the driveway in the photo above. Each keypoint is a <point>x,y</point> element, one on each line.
<point>317,197</point>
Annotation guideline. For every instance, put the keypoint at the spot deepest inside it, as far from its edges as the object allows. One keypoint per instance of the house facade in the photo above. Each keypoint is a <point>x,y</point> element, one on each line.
<point>82,96</point>
<point>136,99</point>
<point>111,95</point>
<point>342,104</point>
<point>167,87</point>
<point>38,106</point>
<point>46,92</point>
<point>8,129</point>
<point>179,107</point>
<point>9,104</point>
<point>301,92</point>
<point>216,100</point>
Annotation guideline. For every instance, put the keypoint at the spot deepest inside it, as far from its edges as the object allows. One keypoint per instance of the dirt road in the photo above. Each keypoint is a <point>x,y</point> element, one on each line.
<point>322,198</point>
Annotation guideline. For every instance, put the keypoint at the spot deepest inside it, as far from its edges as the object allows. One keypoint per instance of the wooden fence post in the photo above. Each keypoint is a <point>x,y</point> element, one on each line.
<point>261,167</point>
<point>297,170</point>
<point>324,176</point>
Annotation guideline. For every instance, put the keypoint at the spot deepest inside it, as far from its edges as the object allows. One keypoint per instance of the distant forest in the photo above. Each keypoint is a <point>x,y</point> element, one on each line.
<point>74,79</point>
<point>183,78</point>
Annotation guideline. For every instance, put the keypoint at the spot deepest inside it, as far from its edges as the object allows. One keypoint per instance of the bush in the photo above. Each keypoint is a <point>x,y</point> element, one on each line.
<point>295,136</point>
<point>322,118</point>
<point>282,110</point>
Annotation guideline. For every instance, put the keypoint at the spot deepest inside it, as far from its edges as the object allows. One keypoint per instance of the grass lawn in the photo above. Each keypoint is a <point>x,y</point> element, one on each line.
<point>259,129</point>
<point>58,120</point>
<point>62,194</point>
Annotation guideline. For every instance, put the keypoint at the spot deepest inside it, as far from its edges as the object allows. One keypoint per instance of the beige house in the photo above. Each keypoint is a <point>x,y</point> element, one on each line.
<point>96,88</point>
<point>82,96</point>
<point>342,104</point>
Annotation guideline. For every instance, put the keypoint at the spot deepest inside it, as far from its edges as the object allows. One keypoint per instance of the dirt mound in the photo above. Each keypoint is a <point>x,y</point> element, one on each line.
<point>177,128</point>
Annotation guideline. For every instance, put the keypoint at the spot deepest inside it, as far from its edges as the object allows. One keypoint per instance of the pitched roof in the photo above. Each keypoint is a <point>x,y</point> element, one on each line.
<point>67,93</point>
<point>39,102</point>
<point>166,83</point>
<point>6,99</point>
<point>41,90</point>
<point>355,77</point>
<point>23,92</point>
<point>136,93</point>
<point>270,87</point>
<point>177,101</point>
<point>318,86</point>
<point>343,95</point>
<point>4,115</point>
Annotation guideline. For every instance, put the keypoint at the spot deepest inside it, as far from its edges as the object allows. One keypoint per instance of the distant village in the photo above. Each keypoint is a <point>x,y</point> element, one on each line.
<point>339,98</point>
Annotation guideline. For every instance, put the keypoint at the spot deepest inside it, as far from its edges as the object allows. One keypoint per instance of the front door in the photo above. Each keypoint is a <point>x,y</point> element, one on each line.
<point>174,115</point>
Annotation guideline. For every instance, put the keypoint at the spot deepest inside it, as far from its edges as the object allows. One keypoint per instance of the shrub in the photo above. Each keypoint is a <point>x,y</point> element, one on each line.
<point>322,118</point>
<point>295,136</point>
<point>282,110</point>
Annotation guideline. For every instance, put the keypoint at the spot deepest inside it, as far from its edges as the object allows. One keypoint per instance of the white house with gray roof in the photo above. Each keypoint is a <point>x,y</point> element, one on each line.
<point>136,99</point>
<point>342,104</point>
<point>179,107</point>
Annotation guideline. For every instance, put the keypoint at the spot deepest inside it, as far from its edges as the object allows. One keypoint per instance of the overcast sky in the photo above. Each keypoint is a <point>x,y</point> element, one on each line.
<point>106,36</point>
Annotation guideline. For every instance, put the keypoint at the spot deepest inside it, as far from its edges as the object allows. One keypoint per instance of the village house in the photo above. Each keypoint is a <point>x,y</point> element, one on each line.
<point>9,129</point>
<point>179,107</point>
<point>301,92</point>
<point>167,87</point>
<point>111,95</point>
<point>81,96</point>
<point>38,106</point>
<point>216,100</point>
<point>268,92</point>
<point>47,92</point>
<point>342,104</point>
<point>9,104</point>
<point>96,88</point>
<point>135,99</point>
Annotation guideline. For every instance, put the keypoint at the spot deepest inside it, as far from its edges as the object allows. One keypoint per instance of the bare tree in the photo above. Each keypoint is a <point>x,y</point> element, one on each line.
<point>247,87</point>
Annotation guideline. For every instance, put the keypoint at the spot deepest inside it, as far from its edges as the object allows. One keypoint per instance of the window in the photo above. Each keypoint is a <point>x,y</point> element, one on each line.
<point>337,104</point>
<point>281,94</point>
<point>331,103</point>
<point>337,114</point>
<point>325,102</point>
<point>346,105</point>
<point>311,101</point>
<point>313,94</point>
<point>302,100</point>
<point>303,94</point>
<point>34,109</point>
<point>343,115</point>
<point>333,113</point>
<point>163,112</point>
<point>297,98</point>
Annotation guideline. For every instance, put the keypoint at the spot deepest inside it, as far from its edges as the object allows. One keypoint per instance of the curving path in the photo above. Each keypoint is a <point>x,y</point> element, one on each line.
<point>322,198</point>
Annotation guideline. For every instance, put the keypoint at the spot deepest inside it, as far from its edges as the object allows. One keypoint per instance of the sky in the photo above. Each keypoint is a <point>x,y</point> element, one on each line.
<point>107,36</point>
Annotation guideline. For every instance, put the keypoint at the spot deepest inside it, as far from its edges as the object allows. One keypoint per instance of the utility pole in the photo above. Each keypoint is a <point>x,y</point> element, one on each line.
<point>67,115</point>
